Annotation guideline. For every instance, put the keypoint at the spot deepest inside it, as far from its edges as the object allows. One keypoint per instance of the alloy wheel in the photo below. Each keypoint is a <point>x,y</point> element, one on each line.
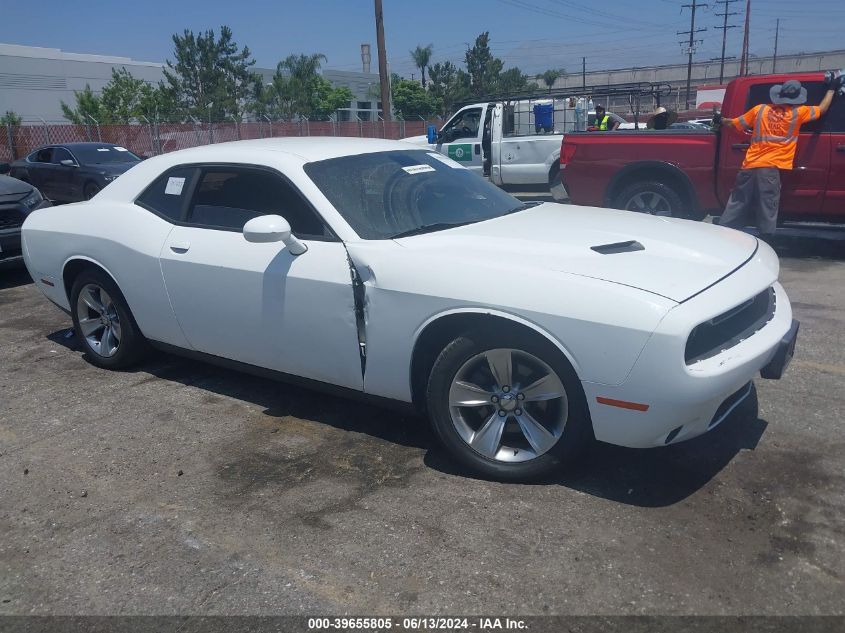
<point>508,405</point>
<point>99,321</point>
<point>649,202</point>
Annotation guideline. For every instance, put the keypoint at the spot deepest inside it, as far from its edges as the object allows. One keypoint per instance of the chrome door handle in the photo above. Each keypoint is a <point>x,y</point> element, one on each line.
<point>180,247</point>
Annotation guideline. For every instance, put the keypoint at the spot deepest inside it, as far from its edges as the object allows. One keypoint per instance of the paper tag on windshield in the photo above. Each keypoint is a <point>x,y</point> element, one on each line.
<point>121,149</point>
<point>417,169</point>
<point>444,160</point>
<point>174,186</point>
<point>102,149</point>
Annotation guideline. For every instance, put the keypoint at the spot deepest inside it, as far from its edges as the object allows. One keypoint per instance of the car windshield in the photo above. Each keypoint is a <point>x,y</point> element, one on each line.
<point>100,155</point>
<point>389,194</point>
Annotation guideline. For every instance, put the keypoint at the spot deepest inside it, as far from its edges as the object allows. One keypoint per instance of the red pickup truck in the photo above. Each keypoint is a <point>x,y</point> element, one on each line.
<point>690,173</point>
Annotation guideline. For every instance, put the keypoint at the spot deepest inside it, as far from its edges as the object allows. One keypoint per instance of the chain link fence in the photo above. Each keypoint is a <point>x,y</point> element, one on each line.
<point>152,138</point>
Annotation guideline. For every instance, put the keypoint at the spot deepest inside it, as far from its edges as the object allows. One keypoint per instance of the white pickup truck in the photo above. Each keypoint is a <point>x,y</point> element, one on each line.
<point>512,152</point>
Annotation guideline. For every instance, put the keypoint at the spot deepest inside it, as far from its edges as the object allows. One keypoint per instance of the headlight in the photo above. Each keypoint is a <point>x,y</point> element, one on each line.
<point>109,177</point>
<point>32,199</point>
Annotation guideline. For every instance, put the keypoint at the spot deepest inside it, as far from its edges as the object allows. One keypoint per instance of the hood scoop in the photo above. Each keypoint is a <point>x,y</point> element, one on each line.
<point>618,247</point>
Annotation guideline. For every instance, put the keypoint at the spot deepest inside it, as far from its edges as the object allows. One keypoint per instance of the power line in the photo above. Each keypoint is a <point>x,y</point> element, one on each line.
<point>724,29</point>
<point>692,41</point>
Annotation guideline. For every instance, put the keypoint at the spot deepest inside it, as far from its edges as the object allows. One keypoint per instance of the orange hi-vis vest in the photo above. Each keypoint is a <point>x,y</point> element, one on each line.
<point>774,133</point>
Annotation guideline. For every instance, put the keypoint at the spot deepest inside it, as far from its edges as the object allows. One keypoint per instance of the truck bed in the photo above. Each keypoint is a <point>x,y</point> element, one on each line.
<point>596,165</point>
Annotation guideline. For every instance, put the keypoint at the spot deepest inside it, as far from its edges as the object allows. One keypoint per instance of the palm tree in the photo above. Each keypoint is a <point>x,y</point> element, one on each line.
<point>422,55</point>
<point>550,77</point>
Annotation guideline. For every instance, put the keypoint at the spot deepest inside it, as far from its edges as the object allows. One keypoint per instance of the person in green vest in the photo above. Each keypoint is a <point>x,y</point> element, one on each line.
<point>604,121</point>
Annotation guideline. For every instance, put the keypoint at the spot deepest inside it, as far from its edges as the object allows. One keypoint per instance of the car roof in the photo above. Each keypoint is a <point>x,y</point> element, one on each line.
<point>306,148</point>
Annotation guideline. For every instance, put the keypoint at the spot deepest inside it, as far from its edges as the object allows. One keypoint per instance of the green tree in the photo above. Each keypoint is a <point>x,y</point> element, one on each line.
<point>330,98</point>
<point>410,99</point>
<point>155,102</point>
<point>550,76</point>
<point>448,85</point>
<point>422,56</point>
<point>296,86</point>
<point>211,75</point>
<point>482,66</point>
<point>119,99</point>
<point>87,105</point>
<point>10,118</point>
<point>512,81</point>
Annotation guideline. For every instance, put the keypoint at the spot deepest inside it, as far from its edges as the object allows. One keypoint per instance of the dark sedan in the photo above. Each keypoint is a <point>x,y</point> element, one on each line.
<point>17,200</point>
<point>73,171</point>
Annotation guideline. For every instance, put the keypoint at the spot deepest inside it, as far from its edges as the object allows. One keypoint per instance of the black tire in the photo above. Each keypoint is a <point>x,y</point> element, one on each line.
<point>132,345</point>
<point>556,187</point>
<point>577,431</point>
<point>668,202</point>
<point>90,190</point>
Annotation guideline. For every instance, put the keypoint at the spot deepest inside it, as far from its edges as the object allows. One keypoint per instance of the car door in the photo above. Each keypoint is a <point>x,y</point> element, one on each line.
<point>834,122</point>
<point>62,176</point>
<point>460,139</point>
<point>257,303</point>
<point>803,187</point>
<point>39,171</point>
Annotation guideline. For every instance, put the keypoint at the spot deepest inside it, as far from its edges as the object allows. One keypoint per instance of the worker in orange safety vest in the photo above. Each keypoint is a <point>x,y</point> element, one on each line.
<point>774,137</point>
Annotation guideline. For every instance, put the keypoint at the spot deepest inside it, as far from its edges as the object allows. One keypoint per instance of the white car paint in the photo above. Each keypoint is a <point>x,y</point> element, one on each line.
<point>622,320</point>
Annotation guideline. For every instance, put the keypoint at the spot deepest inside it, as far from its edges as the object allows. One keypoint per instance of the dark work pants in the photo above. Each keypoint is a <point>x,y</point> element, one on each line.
<point>758,190</point>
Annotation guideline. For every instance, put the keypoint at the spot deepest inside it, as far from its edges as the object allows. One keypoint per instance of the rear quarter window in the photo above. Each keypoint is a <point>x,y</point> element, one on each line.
<point>167,196</point>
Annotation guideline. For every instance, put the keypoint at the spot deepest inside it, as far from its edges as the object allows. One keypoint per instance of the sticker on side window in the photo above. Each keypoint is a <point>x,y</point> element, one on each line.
<point>417,169</point>
<point>444,160</point>
<point>174,186</point>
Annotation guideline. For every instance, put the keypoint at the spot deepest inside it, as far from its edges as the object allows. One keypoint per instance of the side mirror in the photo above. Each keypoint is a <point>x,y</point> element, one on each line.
<point>273,228</point>
<point>67,162</point>
<point>5,168</point>
<point>431,132</point>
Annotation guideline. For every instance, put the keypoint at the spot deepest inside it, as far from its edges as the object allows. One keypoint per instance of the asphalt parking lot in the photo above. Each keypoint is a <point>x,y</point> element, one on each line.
<point>184,488</point>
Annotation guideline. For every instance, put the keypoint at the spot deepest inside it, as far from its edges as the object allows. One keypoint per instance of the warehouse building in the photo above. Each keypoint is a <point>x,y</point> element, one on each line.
<point>34,81</point>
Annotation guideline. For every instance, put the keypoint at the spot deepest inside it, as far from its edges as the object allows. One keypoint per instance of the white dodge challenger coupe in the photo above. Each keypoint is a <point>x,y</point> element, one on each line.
<point>521,330</point>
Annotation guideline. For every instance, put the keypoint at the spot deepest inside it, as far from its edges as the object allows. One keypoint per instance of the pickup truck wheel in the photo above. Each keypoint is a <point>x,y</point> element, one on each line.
<point>654,198</point>
<point>556,187</point>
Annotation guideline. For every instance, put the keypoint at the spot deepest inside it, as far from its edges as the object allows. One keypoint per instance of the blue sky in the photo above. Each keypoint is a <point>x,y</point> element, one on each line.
<point>531,34</point>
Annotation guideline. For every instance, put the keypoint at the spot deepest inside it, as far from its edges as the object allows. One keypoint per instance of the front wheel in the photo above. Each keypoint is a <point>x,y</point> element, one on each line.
<point>91,189</point>
<point>508,407</point>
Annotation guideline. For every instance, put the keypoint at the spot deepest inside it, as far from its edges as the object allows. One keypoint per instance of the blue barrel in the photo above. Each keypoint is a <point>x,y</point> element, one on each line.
<point>544,114</point>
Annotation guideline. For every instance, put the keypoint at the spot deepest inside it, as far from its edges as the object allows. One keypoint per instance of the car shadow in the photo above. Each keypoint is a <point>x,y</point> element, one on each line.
<point>654,477</point>
<point>805,241</point>
<point>13,274</point>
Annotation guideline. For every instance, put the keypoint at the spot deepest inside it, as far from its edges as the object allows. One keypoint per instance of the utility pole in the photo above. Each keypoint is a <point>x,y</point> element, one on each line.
<point>724,29</point>
<point>583,73</point>
<point>743,61</point>
<point>384,78</point>
<point>775,58</point>
<point>692,41</point>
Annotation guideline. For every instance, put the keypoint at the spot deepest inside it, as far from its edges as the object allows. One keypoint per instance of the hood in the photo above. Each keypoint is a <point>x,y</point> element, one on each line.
<point>672,258</point>
<point>416,140</point>
<point>13,187</point>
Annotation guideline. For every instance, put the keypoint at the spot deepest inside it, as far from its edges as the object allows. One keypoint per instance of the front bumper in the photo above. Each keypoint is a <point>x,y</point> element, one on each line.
<point>11,220</point>
<point>680,401</point>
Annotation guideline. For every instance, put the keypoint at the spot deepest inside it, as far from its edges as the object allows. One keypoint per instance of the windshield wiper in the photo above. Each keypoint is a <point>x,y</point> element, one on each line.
<point>428,228</point>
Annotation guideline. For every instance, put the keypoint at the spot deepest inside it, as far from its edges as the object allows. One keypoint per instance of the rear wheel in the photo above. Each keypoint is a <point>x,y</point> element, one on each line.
<point>103,323</point>
<point>507,406</point>
<point>651,197</point>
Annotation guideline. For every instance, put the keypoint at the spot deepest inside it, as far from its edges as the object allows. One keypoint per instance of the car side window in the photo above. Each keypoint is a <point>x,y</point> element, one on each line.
<point>465,125</point>
<point>168,195</point>
<point>759,93</point>
<point>60,154</point>
<point>228,197</point>
<point>43,155</point>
